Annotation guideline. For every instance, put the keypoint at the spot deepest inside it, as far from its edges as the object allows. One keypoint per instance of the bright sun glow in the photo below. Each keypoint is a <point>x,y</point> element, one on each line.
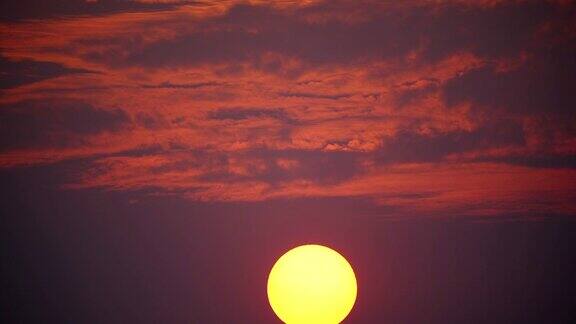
<point>312,284</point>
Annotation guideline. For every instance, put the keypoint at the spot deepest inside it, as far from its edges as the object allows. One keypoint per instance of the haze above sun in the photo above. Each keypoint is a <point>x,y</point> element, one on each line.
<point>312,284</point>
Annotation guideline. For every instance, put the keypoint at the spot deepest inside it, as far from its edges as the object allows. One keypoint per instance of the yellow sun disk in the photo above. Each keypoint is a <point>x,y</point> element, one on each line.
<point>312,284</point>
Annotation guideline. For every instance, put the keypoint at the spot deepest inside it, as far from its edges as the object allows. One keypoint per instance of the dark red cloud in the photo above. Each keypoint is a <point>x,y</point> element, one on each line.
<point>541,85</point>
<point>422,106</point>
<point>17,73</point>
<point>245,32</point>
<point>40,124</point>
<point>42,9</point>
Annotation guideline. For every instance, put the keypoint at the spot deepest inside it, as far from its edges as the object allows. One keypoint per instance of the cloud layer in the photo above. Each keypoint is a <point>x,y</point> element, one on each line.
<point>429,107</point>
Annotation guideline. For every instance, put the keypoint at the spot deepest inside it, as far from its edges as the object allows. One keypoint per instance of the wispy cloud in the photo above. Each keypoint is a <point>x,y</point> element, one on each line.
<point>431,107</point>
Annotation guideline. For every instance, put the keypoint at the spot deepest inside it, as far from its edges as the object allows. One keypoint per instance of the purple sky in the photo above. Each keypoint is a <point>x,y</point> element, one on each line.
<point>156,157</point>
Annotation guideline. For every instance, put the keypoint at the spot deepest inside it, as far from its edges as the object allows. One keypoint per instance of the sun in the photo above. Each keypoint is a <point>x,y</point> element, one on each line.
<point>312,284</point>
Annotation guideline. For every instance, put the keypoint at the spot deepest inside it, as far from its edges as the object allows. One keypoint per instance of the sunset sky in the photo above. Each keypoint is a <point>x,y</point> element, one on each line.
<point>157,156</point>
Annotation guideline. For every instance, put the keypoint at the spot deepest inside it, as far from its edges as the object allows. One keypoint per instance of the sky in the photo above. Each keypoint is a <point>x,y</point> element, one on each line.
<point>157,156</point>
